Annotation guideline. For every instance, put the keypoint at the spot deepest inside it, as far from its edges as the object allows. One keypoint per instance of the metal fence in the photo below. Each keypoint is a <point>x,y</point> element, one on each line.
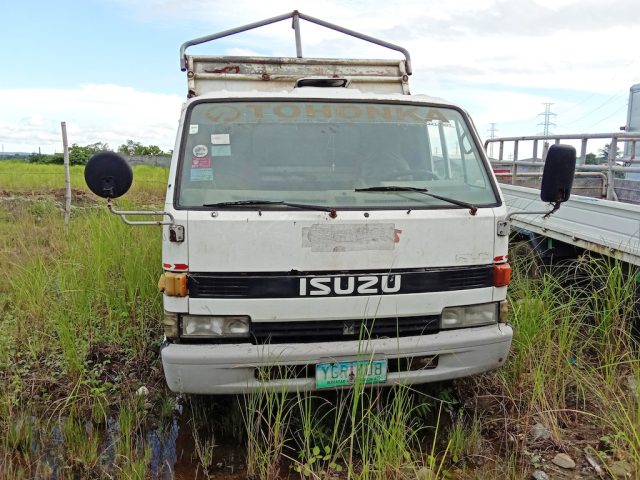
<point>153,160</point>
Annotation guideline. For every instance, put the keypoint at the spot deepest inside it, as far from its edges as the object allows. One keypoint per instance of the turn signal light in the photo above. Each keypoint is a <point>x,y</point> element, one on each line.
<point>170,324</point>
<point>173,284</point>
<point>501,275</point>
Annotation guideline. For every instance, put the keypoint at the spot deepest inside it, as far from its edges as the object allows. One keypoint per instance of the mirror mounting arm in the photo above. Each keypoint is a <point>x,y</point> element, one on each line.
<point>556,206</point>
<point>123,215</point>
<point>504,225</point>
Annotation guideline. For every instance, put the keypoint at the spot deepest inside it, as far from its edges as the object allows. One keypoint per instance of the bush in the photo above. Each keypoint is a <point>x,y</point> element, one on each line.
<point>78,155</point>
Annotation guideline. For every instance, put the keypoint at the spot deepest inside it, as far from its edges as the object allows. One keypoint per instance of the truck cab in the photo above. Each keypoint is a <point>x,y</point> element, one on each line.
<point>326,228</point>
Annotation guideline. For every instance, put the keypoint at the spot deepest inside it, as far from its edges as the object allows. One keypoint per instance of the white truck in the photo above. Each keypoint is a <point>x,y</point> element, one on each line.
<point>322,227</point>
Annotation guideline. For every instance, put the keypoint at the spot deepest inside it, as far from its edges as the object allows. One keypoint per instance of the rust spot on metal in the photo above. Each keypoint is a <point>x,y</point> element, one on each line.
<point>333,213</point>
<point>227,69</point>
<point>266,77</point>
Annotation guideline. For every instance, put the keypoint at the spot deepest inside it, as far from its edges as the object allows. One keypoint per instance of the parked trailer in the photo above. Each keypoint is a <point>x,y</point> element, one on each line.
<point>322,227</point>
<point>603,225</point>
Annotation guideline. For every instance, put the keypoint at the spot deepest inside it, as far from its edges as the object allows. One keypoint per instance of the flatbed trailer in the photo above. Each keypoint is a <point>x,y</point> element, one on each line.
<point>602,226</point>
<point>605,226</point>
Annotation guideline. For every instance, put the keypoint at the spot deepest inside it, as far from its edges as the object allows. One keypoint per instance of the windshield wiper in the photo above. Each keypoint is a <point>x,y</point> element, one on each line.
<point>393,188</point>
<point>257,203</point>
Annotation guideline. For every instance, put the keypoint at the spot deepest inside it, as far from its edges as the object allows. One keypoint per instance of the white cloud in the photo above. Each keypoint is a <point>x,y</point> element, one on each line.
<point>569,44</point>
<point>30,118</point>
<point>500,59</point>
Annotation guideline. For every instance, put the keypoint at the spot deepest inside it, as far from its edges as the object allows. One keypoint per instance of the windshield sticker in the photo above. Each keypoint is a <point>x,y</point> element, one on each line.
<point>318,112</point>
<point>200,151</point>
<point>201,169</point>
<point>204,162</point>
<point>201,175</point>
<point>220,139</point>
<point>221,150</point>
<point>193,129</point>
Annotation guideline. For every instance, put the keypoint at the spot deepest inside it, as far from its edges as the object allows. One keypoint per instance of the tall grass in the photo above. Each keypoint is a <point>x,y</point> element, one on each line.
<point>80,320</point>
<point>69,302</point>
<point>16,176</point>
<point>575,363</point>
<point>574,368</point>
<point>357,434</point>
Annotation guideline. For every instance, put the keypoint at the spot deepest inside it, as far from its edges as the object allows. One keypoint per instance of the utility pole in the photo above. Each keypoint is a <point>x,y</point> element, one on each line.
<point>547,114</point>
<point>492,134</point>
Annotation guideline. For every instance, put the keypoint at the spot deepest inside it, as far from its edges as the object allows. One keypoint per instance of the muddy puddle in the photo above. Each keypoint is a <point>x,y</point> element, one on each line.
<point>201,437</point>
<point>165,451</point>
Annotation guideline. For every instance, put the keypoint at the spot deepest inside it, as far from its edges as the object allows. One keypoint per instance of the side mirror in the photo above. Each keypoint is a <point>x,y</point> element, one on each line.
<point>108,175</point>
<point>557,178</point>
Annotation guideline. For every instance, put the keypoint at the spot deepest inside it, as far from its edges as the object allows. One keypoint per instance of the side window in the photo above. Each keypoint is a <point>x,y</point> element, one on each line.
<point>454,157</point>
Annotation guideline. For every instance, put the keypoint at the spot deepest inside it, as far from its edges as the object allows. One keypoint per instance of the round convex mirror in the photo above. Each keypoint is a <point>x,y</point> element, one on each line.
<point>108,175</point>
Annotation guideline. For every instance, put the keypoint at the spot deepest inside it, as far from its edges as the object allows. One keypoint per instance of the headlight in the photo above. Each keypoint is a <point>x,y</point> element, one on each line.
<point>215,327</point>
<point>469,316</point>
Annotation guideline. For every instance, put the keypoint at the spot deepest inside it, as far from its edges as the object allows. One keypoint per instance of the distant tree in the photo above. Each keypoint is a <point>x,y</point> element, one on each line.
<point>39,158</point>
<point>604,153</point>
<point>137,148</point>
<point>604,158</point>
<point>153,150</point>
<point>56,158</point>
<point>80,155</point>
<point>130,148</point>
<point>591,159</point>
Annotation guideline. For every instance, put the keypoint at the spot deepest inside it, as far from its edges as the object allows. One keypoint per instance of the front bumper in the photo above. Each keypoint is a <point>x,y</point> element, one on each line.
<point>225,369</point>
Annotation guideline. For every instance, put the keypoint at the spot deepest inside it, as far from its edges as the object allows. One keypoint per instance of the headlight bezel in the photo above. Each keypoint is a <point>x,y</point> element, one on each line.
<point>466,316</point>
<point>214,326</point>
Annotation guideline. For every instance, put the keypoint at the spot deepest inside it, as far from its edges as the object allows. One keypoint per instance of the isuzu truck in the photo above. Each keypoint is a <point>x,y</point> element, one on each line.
<point>323,226</point>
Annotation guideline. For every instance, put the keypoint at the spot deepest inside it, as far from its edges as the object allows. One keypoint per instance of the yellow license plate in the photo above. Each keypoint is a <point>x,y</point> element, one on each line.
<point>343,374</point>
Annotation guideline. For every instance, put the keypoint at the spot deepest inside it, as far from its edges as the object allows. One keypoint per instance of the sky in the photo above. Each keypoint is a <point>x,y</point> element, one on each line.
<point>109,68</point>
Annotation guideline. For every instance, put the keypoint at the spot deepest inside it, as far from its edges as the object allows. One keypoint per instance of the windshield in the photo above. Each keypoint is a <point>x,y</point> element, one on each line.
<point>320,152</point>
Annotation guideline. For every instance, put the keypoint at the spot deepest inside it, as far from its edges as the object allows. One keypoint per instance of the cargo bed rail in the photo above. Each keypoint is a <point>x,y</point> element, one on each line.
<point>296,16</point>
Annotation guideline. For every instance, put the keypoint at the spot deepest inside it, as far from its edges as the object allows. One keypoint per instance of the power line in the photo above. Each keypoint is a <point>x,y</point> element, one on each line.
<point>616,112</point>
<point>605,103</point>
<point>593,94</point>
<point>547,114</point>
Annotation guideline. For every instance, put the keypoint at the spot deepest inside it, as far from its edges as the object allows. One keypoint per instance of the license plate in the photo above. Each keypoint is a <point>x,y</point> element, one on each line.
<point>342,374</point>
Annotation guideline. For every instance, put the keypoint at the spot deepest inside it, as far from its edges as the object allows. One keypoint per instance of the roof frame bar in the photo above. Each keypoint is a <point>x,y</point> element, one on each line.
<point>296,16</point>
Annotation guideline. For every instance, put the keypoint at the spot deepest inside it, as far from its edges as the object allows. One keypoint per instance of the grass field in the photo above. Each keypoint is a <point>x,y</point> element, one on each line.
<point>80,320</point>
<point>16,176</point>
